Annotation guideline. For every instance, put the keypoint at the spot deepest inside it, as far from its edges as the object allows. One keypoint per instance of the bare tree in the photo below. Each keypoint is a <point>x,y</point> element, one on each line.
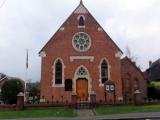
<point>130,55</point>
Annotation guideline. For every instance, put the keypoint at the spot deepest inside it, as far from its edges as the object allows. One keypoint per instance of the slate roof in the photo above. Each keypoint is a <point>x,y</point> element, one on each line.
<point>154,71</point>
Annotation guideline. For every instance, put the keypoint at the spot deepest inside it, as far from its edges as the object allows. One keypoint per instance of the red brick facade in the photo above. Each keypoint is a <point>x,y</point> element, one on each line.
<point>132,79</point>
<point>60,47</point>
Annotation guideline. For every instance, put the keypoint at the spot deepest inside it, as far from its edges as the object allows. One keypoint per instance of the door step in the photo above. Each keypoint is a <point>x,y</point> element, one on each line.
<point>83,105</point>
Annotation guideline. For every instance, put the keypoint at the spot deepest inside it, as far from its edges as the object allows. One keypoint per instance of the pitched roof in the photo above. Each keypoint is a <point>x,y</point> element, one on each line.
<point>133,64</point>
<point>154,70</point>
<point>157,62</point>
<point>81,9</point>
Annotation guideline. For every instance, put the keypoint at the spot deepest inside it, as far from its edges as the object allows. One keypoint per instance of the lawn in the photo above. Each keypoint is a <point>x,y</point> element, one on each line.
<point>66,112</point>
<point>126,109</point>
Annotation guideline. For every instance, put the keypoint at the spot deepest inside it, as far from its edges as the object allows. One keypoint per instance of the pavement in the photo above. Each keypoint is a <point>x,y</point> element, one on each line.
<point>82,115</point>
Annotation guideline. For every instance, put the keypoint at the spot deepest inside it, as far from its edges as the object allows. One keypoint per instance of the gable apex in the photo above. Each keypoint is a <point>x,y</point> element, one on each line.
<point>81,9</point>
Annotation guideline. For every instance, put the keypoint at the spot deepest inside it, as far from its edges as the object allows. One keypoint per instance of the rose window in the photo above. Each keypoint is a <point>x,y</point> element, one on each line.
<point>81,41</point>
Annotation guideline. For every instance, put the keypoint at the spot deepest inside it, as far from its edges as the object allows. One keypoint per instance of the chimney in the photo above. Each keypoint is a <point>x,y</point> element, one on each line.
<point>150,63</point>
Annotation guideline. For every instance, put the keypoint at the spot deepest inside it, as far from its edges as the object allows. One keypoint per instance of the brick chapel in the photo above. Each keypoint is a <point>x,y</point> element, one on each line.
<point>82,60</point>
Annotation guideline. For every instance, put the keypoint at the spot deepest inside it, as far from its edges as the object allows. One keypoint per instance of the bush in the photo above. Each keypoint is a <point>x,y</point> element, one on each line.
<point>154,89</point>
<point>153,92</point>
<point>10,89</point>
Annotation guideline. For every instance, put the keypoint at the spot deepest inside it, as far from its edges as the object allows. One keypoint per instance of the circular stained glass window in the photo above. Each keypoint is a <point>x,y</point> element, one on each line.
<point>81,41</point>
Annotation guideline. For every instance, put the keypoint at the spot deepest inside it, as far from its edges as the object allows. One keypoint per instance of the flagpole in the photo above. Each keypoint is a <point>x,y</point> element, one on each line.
<point>25,86</point>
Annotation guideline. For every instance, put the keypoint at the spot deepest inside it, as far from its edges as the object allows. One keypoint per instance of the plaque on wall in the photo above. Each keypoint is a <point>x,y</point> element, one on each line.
<point>107,87</point>
<point>112,88</point>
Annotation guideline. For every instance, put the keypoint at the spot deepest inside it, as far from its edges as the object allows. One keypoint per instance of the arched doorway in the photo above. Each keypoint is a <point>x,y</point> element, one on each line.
<point>82,84</point>
<point>82,89</point>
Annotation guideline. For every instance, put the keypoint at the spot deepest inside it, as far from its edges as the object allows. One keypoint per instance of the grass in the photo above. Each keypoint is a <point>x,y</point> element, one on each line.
<point>66,112</point>
<point>126,109</point>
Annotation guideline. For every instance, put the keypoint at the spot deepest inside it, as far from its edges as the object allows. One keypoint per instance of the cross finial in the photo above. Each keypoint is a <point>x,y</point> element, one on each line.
<point>81,2</point>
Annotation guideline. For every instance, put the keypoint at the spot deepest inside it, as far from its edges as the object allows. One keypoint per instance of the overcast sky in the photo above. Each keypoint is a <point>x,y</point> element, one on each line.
<point>30,24</point>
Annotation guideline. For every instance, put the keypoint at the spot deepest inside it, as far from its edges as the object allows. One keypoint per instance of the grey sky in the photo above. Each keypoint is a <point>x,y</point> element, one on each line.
<point>30,24</point>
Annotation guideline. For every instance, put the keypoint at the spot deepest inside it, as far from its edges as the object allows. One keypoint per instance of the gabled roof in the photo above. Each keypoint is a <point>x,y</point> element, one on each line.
<point>157,62</point>
<point>133,64</point>
<point>154,71</point>
<point>81,9</point>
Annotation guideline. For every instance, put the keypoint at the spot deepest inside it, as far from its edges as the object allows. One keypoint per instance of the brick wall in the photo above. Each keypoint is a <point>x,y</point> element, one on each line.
<point>60,46</point>
<point>131,74</point>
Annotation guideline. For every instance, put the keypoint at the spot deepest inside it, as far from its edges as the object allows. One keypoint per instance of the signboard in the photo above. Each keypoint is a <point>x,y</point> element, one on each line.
<point>110,88</point>
<point>107,87</point>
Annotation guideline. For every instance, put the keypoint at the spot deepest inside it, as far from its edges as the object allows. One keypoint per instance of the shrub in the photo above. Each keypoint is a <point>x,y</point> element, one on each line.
<point>10,90</point>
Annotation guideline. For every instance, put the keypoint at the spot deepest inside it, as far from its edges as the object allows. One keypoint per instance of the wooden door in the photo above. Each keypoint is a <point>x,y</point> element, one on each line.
<point>82,89</point>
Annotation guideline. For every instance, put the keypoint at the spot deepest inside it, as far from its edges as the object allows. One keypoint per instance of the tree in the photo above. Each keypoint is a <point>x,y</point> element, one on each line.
<point>130,55</point>
<point>10,89</point>
<point>153,89</point>
<point>33,89</point>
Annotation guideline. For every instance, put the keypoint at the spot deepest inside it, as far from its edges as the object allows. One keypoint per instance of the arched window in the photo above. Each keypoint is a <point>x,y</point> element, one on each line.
<point>58,72</point>
<point>81,21</point>
<point>81,72</point>
<point>104,71</point>
<point>136,84</point>
<point>127,83</point>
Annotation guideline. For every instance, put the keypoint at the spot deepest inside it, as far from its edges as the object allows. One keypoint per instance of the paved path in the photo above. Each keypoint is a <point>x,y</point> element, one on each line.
<point>130,116</point>
<point>85,113</point>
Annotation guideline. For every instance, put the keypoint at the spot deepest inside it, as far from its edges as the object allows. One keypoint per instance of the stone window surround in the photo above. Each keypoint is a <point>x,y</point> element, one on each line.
<point>53,67</point>
<point>76,76</point>
<point>86,49</point>
<point>81,16</point>
<point>73,58</point>
<point>99,67</point>
<point>83,19</point>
